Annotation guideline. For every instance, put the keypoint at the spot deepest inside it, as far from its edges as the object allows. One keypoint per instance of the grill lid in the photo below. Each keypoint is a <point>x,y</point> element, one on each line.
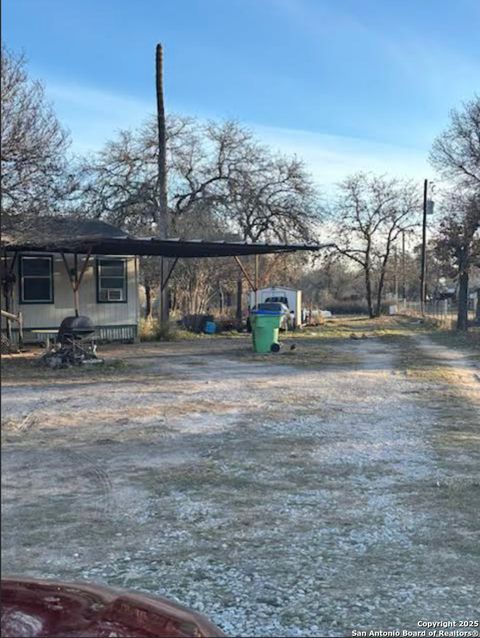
<point>76,326</point>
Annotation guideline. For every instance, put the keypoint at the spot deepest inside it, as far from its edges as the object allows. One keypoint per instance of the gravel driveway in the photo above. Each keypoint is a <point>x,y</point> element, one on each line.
<point>325,490</point>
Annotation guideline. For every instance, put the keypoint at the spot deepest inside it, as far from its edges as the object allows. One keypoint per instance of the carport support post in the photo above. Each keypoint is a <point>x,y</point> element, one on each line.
<point>239,298</point>
<point>253,284</point>
<point>164,297</point>
<point>256,280</point>
<point>76,297</point>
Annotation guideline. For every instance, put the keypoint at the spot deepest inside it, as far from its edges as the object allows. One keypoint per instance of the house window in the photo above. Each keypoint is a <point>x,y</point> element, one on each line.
<point>36,279</point>
<point>112,280</point>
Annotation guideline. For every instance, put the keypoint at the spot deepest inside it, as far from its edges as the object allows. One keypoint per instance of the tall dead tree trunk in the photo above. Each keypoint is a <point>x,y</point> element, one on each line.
<point>161,216</point>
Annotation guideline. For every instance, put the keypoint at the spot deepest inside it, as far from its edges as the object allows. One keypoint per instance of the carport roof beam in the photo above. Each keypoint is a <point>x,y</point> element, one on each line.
<point>175,248</point>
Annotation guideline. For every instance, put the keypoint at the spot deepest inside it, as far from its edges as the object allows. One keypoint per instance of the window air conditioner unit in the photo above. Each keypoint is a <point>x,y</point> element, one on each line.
<point>114,294</point>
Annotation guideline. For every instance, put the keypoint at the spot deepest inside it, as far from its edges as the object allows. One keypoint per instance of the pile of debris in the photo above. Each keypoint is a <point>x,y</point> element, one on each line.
<point>7,347</point>
<point>67,355</point>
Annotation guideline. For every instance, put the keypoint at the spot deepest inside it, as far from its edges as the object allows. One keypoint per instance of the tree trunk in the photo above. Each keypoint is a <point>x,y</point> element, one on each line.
<point>462,317</point>
<point>379,294</point>
<point>368,290</point>
<point>239,299</point>
<point>7,289</point>
<point>381,281</point>
<point>368,278</point>
<point>6,294</point>
<point>477,314</point>
<point>222,299</point>
<point>161,214</point>
<point>148,301</point>
<point>173,299</point>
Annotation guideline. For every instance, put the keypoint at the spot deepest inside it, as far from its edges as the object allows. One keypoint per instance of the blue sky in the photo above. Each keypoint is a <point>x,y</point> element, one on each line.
<point>347,84</point>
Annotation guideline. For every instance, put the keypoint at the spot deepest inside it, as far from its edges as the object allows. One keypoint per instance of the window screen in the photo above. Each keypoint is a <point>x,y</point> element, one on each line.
<point>112,280</point>
<point>36,281</point>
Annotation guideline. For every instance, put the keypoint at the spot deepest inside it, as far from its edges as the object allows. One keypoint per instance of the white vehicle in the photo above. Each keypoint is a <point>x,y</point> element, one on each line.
<point>291,297</point>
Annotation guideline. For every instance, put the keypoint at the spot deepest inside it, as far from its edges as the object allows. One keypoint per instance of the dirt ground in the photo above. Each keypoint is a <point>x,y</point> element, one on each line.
<point>327,488</point>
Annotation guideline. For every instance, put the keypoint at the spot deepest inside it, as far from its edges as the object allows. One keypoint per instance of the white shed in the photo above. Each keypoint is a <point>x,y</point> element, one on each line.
<point>291,297</point>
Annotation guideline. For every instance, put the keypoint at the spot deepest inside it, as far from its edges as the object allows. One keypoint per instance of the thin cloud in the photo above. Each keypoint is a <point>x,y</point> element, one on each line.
<point>420,58</point>
<point>94,115</point>
<point>330,158</point>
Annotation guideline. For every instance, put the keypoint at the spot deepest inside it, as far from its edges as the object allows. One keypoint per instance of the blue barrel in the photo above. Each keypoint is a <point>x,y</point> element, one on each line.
<point>210,327</point>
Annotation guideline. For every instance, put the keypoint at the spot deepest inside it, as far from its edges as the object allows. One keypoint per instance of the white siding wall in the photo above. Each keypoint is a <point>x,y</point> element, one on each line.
<point>102,314</point>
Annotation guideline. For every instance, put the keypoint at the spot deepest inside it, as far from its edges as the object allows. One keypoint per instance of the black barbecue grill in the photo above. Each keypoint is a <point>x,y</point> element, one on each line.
<point>75,329</point>
<point>75,344</point>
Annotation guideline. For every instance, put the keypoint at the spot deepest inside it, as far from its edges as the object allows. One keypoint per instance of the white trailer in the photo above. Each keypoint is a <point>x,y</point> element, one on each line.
<point>289,296</point>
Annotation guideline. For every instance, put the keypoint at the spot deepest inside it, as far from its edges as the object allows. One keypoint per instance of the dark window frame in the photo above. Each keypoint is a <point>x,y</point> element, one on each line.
<point>21,298</point>
<point>98,264</point>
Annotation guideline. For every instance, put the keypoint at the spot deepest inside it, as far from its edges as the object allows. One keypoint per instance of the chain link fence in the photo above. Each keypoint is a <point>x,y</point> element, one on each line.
<point>443,310</point>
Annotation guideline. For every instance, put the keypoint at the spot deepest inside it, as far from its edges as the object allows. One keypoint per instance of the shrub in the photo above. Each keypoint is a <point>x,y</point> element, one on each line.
<point>150,329</point>
<point>352,307</point>
<point>347,308</point>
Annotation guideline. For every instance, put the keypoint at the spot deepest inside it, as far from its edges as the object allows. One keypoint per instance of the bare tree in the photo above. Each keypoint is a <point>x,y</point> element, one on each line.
<point>34,176</point>
<point>218,167</point>
<point>457,245</point>
<point>456,152</point>
<point>369,215</point>
<point>198,284</point>
<point>121,181</point>
<point>456,155</point>
<point>334,279</point>
<point>221,182</point>
<point>272,198</point>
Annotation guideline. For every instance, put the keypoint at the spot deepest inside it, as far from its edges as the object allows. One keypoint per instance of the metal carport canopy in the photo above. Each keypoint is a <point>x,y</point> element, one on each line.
<point>176,248</point>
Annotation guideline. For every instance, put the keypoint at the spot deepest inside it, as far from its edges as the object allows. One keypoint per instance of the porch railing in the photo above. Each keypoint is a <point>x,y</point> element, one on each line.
<point>9,316</point>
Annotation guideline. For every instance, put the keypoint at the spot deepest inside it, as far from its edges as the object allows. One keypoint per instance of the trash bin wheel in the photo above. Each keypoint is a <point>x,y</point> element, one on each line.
<point>275,347</point>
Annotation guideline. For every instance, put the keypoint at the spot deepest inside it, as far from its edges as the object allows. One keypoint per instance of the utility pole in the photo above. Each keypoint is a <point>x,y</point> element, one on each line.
<point>161,215</point>
<point>423,272</point>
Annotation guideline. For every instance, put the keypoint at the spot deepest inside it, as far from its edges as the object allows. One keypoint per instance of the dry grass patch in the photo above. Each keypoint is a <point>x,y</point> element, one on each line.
<point>469,340</point>
<point>311,354</point>
<point>27,366</point>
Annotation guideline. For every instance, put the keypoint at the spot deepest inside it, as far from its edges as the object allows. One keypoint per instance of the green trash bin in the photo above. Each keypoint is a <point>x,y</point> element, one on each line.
<point>265,326</point>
